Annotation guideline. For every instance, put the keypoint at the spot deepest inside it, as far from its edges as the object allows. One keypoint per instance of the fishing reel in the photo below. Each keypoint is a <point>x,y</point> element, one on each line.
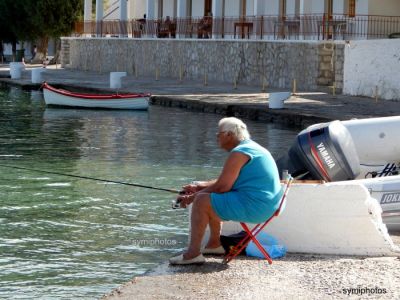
<point>176,204</point>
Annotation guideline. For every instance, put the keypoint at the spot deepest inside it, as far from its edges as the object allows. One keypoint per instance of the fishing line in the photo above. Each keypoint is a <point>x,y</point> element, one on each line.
<point>92,178</point>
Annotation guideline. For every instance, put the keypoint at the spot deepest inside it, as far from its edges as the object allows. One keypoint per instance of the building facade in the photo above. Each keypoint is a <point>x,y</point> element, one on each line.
<point>154,9</point>
<point>263,42</point>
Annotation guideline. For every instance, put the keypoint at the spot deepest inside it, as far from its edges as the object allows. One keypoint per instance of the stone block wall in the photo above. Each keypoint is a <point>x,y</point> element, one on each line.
<point>331,60</point>
<point>276,63</point>
<point>339,65</point>
<point>65,57</point>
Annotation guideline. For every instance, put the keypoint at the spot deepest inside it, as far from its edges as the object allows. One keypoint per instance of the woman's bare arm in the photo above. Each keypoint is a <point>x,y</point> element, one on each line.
<point>225,181</point>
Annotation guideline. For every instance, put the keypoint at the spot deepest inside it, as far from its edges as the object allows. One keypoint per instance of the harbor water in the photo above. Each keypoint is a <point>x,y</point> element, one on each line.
<point>64,237</point>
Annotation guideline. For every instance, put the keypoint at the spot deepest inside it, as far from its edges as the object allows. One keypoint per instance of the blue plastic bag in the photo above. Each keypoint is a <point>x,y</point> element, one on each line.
<point>269,243</point>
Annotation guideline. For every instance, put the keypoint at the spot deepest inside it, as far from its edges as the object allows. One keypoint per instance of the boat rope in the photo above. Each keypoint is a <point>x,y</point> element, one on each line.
<point>92,178</point>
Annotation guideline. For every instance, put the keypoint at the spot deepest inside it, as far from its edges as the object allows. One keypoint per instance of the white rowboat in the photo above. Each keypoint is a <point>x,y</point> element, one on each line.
<point>60,97</point>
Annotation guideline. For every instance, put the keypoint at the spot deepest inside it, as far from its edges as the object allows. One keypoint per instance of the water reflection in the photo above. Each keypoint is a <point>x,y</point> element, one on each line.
<point>36,96</point>
<point>65,237</point>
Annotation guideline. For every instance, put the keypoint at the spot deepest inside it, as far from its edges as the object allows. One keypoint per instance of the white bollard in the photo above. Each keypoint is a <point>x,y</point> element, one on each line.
<point>115,79</point>
<point>16,70</point>
<point>276,100</point>
<point>37,75</point>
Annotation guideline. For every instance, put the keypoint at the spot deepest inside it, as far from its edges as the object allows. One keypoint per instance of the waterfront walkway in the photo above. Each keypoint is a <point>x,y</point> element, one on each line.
<point>295,276</point>
<point>243,101</point>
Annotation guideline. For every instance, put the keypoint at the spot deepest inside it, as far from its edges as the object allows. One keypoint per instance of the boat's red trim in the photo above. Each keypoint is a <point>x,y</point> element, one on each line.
<point>93,96</point>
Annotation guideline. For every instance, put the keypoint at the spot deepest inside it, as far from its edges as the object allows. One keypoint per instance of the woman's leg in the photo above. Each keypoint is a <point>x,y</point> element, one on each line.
<point>215,232</point>
<point>202,215</point>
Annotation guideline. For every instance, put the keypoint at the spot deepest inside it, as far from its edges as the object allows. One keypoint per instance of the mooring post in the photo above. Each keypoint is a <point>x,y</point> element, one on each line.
<point>294,87</point>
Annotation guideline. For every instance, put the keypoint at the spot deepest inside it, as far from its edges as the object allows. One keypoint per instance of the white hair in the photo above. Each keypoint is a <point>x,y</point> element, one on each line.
<point>236,126</point>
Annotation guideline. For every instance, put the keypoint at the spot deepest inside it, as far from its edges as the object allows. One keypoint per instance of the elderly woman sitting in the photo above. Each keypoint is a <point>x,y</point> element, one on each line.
<point>247,190</point>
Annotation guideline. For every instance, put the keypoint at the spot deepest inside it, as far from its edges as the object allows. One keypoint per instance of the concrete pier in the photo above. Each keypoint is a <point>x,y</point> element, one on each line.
<point>295,276</point>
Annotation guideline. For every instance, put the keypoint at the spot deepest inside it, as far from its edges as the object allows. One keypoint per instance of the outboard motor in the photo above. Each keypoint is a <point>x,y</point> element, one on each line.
<point>323,152</point>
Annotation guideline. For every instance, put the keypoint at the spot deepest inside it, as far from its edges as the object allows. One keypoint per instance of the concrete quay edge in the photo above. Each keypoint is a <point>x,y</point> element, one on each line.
<point>249,102</point>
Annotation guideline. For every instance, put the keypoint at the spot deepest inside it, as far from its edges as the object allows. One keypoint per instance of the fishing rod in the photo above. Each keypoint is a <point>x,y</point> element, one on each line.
<point>92,178</point>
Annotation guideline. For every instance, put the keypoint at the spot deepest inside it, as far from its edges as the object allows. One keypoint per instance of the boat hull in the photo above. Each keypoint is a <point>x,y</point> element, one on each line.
<point>386,190</point>
<point>377,144</point>
<point>54,98</point>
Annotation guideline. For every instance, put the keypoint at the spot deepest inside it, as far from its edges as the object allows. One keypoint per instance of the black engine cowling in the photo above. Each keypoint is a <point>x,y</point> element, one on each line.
<point>323,151</point>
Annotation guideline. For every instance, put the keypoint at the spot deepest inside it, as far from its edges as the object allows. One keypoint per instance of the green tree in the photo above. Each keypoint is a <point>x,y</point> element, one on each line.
<point>38,20</point>
<point>53,19</point>
<point>14,22</point>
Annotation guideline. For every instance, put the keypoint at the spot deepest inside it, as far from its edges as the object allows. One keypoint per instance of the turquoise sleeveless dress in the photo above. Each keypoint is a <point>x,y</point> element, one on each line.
<point>257,191</point>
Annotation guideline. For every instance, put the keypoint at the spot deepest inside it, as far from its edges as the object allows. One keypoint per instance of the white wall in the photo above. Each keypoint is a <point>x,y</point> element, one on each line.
<point>339,7</point>
<point>385,8</point>
<point>305,7</point>
<point>272,7</point>
<point>259,7</point>
<point>362,7</point>
<point>310,6</point>
<point>137,8</point>
<point>232,8</point>
<point>250,8</point>
<point>197,8</point>
<point>372,63</point>
<point>168,8</point>
<point>292,7</point>
<point>317,6</point>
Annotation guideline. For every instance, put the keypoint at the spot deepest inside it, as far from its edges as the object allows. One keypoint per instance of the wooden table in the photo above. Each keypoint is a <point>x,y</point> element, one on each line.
<point>287,28</point>
<point>243,26</point>
<point>331,27</point>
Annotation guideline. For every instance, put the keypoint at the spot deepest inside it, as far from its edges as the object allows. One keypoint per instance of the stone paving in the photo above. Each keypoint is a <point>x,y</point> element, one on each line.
<point>245,101</point>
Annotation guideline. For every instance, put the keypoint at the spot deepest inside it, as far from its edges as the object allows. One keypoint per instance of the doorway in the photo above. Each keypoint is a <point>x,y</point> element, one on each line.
<point>329,8</point>
<point>282,8</point>
<point>207,7</point>
<point>243,4</point>
<point>352,8</point>
<point>160,8</point>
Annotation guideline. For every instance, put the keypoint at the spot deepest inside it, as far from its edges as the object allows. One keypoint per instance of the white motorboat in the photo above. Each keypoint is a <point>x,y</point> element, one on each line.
<point>365,151</point>
<point>60,97</point>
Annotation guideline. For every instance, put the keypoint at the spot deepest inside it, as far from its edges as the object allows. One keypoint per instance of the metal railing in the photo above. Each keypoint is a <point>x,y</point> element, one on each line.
<point>303,27</point>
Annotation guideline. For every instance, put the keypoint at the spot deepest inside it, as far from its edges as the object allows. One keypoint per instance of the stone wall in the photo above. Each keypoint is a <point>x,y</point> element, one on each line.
<point>65,57</point>
<point>269,63</point>
<point>331,60</point>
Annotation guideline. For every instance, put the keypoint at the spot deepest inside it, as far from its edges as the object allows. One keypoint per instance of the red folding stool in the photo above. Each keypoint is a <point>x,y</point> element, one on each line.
<point>251,234</point>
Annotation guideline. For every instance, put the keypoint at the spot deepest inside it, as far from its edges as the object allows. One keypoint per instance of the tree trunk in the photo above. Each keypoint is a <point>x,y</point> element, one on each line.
<point>14,50</point>
<point>42,45</point>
